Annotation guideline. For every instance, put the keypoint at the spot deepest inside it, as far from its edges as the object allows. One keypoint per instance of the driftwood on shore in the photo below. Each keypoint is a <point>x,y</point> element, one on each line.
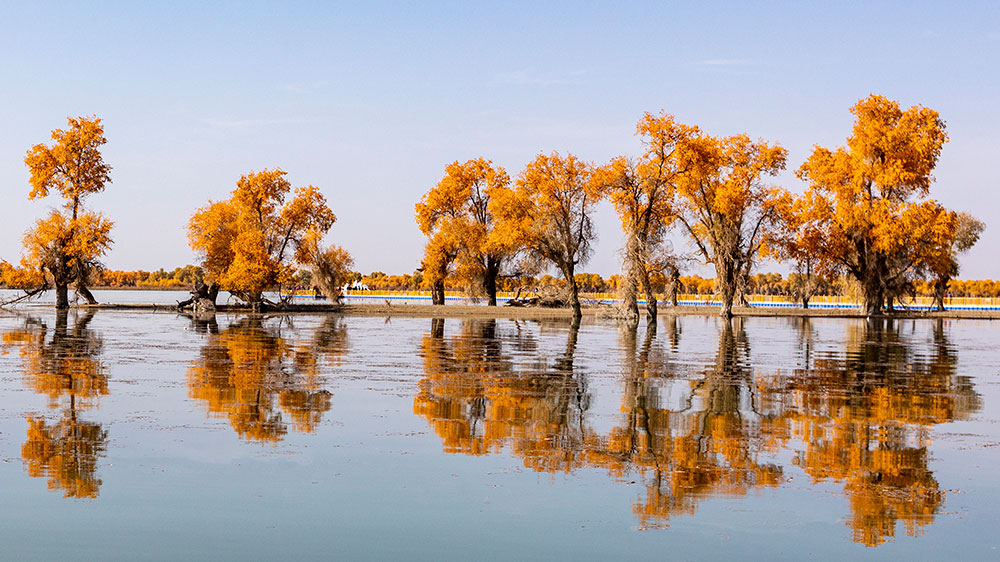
<point>28,295</point>
<point>202,298</point>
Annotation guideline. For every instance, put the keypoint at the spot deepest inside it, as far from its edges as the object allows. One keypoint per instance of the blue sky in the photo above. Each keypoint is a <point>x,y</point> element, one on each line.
<point>370,101</point>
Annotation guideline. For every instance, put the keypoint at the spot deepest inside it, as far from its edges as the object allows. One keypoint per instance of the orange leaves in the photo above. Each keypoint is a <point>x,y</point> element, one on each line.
<point>73,164</point>
<point>212,233</point>
<point>20,277</point>
<point>880,227</point>
<point>68,244</point>
<point>459,217</point>
<point>249,242</point>
<point>557,196</point>
<point>61,245</point>
<point>890,154</point>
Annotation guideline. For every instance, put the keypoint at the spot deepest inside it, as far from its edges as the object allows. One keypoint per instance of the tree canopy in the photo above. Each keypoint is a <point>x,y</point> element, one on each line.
<point>249,242</point>
<point>877,222</point>
<point>458,217</point>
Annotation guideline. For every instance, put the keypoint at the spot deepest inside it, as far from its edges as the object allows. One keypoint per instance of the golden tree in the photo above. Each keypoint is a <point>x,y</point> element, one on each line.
<point>549,212</point>
<point>726,207</point>
<point>874,195</point>
<point>800,241</point>
<point>67,245</point>
<point>249,242</point>
<point>458,214</point>
<point>943,264</point>
<point>642,193</point>
<point>440,254</point>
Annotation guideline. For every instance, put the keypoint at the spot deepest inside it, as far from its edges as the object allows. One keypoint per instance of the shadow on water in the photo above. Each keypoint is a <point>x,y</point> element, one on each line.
<point>253,375</point>
<point>860,416</point>
<point>62,363</point>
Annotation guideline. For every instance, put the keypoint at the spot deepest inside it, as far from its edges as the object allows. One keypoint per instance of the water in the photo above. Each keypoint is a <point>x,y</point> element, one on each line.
<point>152,436</point>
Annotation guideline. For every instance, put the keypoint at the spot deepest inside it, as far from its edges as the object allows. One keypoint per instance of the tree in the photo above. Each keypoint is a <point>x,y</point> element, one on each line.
<point>873,189</point>
<point>944,264</point>
<point>67,245</point>
<point>550,212</point>
<point>440,254</point>
<point>330,266</point>
<point>801,241</point>
<point>249,242</point>
<point>642,193</point>
<point>459,213</point>
<point>725,206</point>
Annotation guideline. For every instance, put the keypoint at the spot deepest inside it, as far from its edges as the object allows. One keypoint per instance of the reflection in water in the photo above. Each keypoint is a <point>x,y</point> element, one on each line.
<point>865,419</point>
<point>63,366</point>
<point>66,453</point>
<point>860,417</point>
<point>479,401</point>
<point>251,374</point>
<point>707,445</point>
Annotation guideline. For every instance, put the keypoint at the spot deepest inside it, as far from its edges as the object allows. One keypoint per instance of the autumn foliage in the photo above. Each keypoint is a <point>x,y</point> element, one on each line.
<point>458,218</point>
<point>250,242</point>
<point>66,246</point>
<point>549,214</point>
<point>874,218</point>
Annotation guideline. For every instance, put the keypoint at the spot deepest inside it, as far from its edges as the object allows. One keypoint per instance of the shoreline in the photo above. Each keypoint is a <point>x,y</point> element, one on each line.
<point>605,311</point>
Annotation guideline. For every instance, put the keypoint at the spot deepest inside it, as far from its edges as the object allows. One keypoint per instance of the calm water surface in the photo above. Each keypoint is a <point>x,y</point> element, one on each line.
<point>152,436</point>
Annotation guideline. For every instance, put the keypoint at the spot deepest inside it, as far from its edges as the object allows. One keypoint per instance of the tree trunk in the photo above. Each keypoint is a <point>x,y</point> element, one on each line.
<point>437,293</point>
<point>629,300</point>
<point>199,292</point>
<point>725,275</point>
<point>630,306</point>
<point>874,296</point>
<point>647,288</point>
<point>940,289</point>
<point>81,282</point>
<point>805,301</point>
<point>727,307</point>
<point>62,295</point>
<point>490,280</point>
<point>674,287</point>
<point>84,292</point>
<point>574,291</point>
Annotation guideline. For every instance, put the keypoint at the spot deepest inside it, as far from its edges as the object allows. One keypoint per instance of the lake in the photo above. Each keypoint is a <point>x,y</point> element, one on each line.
<point>134,435</point>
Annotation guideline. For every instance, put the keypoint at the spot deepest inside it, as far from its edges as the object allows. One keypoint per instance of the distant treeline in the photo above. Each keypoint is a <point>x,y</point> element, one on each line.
<point>760,284</point>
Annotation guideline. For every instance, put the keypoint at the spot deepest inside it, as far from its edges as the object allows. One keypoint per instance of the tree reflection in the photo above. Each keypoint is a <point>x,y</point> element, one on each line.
<point>62,364</point>
<point>479,400</point>
<point>252,375</point>
<point>706,445</point>
<point>865,419</point>
<point>66,453</point>
<point>862,415</point>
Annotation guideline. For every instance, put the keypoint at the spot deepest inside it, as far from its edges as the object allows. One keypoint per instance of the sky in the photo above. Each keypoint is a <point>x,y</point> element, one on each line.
<point>369,101</point>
